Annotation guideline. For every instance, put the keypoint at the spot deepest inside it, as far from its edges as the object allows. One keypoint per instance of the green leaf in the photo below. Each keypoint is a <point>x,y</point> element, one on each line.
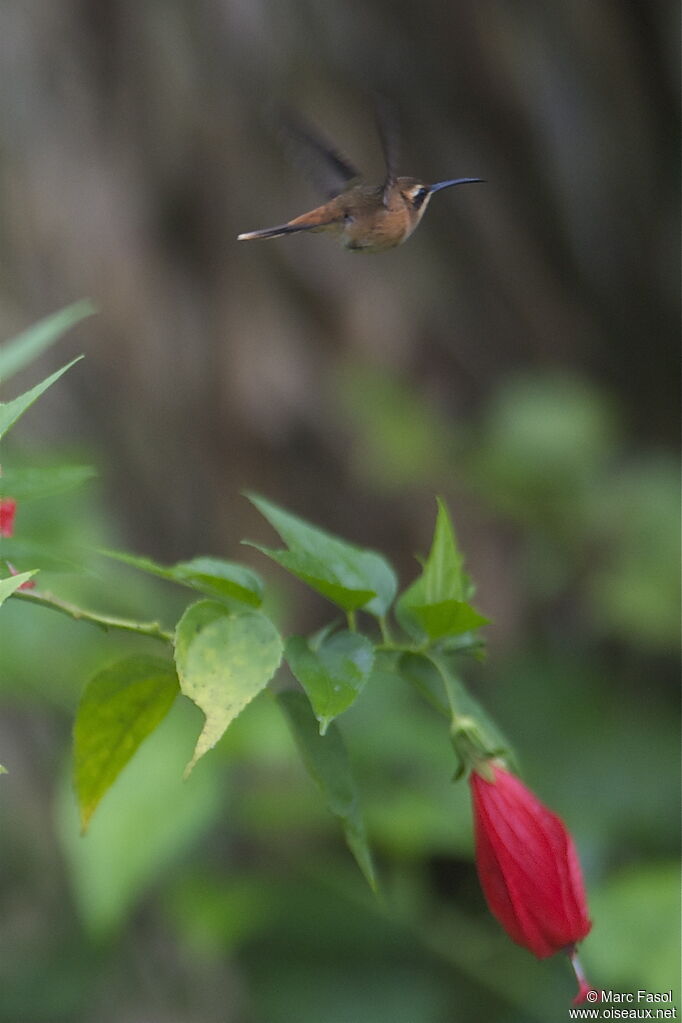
<point>24,484</point>
<point>351,577</point>
<point>320,577</point>
<point>26,347</point>
<point>435,605</point>
<point>326,760</point>
<point>39,554</point>
<point>333,674</point>
<point>152,821</point>
<point>10,411</point>
<point>120,707</point>
<point>446,618</point>
<point>12,583</point>
<point>221,579</point>
<point>212,576</point>
<point>223,661</point>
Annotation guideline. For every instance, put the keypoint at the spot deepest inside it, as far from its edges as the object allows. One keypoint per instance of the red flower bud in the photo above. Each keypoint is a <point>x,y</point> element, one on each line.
<point>527,865</point>
<point>8,507</point>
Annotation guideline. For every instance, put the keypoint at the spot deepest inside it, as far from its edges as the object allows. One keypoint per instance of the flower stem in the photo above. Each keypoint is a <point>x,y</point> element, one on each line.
<point>584,986</point>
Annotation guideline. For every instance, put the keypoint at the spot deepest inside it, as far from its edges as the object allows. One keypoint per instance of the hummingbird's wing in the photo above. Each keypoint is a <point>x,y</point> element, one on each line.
<point>328,170</point>
<point>387,127</point>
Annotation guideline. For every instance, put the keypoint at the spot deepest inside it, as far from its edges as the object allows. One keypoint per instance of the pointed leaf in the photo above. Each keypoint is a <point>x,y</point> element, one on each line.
<point>333,674</point>
<point>10,411</point>
<point>151,822</point>
<point>120,707</point>
<point>223,661</point>
<point>338,570</point>
<point>326,760</point>
<point>212,576</point>
<point>320,577</point>
<point>435,605</point>
<point>27,346</point>
<point>12,583</point>
<point>24,484</point>
<point>221,579</point>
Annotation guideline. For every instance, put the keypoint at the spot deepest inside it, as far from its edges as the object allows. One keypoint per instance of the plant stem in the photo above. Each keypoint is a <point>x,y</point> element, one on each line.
<point>385,631</point>
<point>352,621</point>
<point>105,622</point>
<point>450,690</point>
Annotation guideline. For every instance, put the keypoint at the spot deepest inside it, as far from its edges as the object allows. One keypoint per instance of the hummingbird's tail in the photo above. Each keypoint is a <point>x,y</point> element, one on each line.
<point>324,218</point>
<point>270,232</point>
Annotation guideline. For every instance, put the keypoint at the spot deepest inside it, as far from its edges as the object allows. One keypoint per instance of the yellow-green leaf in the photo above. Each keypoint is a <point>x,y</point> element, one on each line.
<point>12,583</point>
<point>223,661</point>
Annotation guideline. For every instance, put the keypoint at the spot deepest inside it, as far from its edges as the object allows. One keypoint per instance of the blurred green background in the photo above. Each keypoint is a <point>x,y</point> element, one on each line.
<point>517,356</point>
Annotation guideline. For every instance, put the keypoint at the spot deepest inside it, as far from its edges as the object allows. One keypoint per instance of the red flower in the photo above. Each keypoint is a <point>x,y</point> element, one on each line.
<point>527,865</point>
<point>8,507</point>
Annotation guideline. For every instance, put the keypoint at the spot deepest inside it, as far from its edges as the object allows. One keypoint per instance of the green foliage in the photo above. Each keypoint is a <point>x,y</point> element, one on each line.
<point>635,589</point>
<point>435,605</point>
<point>227,651</point>
<point>41,555</point>
<point>226,654</point>
<point>639,914</point>
<point>120,706</point>
<point>327,763</point>
<point>212,576</point>
<point>349,576</point>
<point>434,677</point>
<point>223,661</point>
<point>14,355</point>
<point>12,583</point>
<point>27,483</point>
<point>332,672</point>
<point>10,411</point>
<point>22,350</point>
<point>151,820</point>
<point>397,661</point>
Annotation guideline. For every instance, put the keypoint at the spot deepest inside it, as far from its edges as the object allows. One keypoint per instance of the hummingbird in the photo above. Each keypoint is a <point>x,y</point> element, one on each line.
<point>365,218</point>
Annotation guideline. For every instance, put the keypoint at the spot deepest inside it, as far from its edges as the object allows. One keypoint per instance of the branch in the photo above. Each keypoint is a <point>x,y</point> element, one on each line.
<point>105,622</point>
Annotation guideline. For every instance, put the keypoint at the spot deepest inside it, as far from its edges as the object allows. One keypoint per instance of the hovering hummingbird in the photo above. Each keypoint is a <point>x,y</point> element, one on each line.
<point>365,218</point>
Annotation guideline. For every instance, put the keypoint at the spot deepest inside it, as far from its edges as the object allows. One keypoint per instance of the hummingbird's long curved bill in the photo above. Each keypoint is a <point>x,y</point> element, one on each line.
<point>456,181</point>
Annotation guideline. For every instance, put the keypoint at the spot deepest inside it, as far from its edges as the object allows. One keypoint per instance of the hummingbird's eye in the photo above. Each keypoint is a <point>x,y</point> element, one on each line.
<point>418,195</point>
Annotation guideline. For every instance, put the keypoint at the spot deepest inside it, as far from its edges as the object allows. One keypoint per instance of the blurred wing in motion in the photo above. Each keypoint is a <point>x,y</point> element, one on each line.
<point>387,128</point>
<point>329,171</point>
